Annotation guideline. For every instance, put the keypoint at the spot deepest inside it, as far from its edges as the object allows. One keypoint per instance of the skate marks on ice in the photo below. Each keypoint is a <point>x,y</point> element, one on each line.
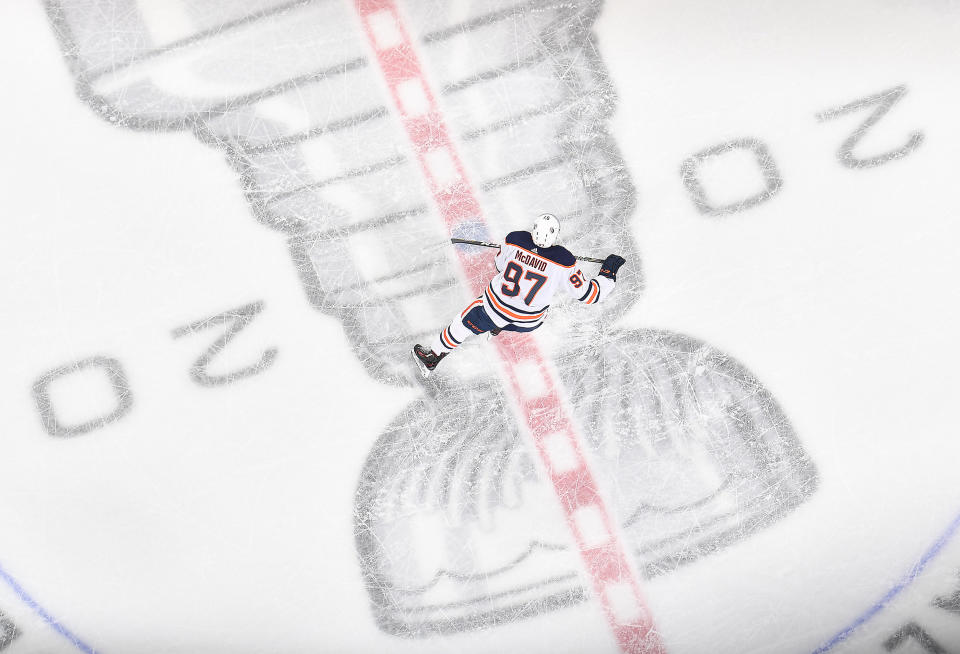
<point>443,538</point>
<point>451,527</point>
<point>8,632</point>
<point>79,374</point>
<point>539,406</point>
<point>882,102</point>
<point>28,626</point>
<point>922,607</point>
<point>772,179</point>
<point>287,92</point>
<point>699,453</point>
<point>82,396</point>
<point>699,172</point>
<point>235,320</point>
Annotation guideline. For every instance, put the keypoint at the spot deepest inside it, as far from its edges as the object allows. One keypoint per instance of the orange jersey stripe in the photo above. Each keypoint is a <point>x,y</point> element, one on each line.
<point>506,310</point>
<point>472,305</point>
<point>446,340</point>
<point>596,291</point>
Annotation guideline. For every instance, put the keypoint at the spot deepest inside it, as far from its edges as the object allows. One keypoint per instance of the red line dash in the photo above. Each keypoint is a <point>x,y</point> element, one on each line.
<point>546,418</point>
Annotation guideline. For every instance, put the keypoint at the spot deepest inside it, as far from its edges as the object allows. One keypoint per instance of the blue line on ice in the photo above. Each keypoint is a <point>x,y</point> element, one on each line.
<point>39,610</point>
<point>893,592</point>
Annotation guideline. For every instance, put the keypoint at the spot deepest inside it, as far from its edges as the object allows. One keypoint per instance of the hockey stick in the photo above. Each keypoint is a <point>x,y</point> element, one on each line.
<point>496,245</point>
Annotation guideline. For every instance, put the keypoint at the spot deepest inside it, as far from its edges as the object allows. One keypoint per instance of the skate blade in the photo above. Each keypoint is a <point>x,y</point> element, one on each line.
<point>424,371</point>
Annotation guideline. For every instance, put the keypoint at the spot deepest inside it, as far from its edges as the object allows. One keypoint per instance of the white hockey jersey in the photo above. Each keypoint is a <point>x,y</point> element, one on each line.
<point>528,278</point>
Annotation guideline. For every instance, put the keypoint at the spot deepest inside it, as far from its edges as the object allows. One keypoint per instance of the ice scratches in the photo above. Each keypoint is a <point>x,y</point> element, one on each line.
<point>694,453</point>
<point>643,508</point>
<point>523,173</point>
<point>348,175</point>
<point>329,128</point>
<point>492,74</point>
<point>486,574</point>
<point>214,32</point>
<point>9,632</point>
<point>109,369</point>
<point>431,505</point>
<point>323,162</point>
<point>883,102</point>
<point>374,223</point>
<point>458,29</point>
<point>717,454</point>
<point>455,529</point>
<point>234,103</point>
<point>949,602</point>
<point>235,321</point>
<point>515,120</point>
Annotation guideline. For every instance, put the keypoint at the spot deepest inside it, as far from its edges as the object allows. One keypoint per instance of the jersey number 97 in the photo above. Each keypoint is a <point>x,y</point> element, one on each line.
<point>512,274</point>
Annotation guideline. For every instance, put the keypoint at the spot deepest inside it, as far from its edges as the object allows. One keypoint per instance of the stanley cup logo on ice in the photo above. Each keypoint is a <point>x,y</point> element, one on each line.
<point>455,526</point>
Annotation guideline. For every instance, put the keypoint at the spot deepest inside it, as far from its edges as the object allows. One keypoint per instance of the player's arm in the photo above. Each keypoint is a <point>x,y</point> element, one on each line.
<point>598,288</point>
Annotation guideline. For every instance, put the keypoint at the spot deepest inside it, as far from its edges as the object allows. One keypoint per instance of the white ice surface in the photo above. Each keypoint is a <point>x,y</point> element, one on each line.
<point>221,519</point>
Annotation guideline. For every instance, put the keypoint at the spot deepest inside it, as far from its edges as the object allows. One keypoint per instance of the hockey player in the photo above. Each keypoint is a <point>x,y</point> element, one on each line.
<point>531,268</point>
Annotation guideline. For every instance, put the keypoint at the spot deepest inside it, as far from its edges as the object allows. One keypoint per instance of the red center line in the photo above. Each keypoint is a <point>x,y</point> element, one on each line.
<point>534,385</point>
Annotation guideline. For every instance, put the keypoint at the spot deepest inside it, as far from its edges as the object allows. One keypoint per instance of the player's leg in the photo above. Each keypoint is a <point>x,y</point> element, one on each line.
<point>472,320</point>
<point>451,337</point>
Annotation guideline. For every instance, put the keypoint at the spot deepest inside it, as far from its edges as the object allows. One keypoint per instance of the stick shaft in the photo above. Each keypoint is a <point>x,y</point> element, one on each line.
<point>485,244</point>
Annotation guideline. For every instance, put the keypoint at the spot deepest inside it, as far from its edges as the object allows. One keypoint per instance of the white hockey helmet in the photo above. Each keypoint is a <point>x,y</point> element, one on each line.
<point>546,230</point>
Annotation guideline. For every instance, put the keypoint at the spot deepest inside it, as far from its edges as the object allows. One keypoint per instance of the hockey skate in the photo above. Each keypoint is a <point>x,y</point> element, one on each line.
<point>492,333</point>
<point>426,359</point>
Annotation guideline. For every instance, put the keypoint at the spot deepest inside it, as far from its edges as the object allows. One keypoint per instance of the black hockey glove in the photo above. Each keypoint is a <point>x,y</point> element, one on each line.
<point>611,265</point>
